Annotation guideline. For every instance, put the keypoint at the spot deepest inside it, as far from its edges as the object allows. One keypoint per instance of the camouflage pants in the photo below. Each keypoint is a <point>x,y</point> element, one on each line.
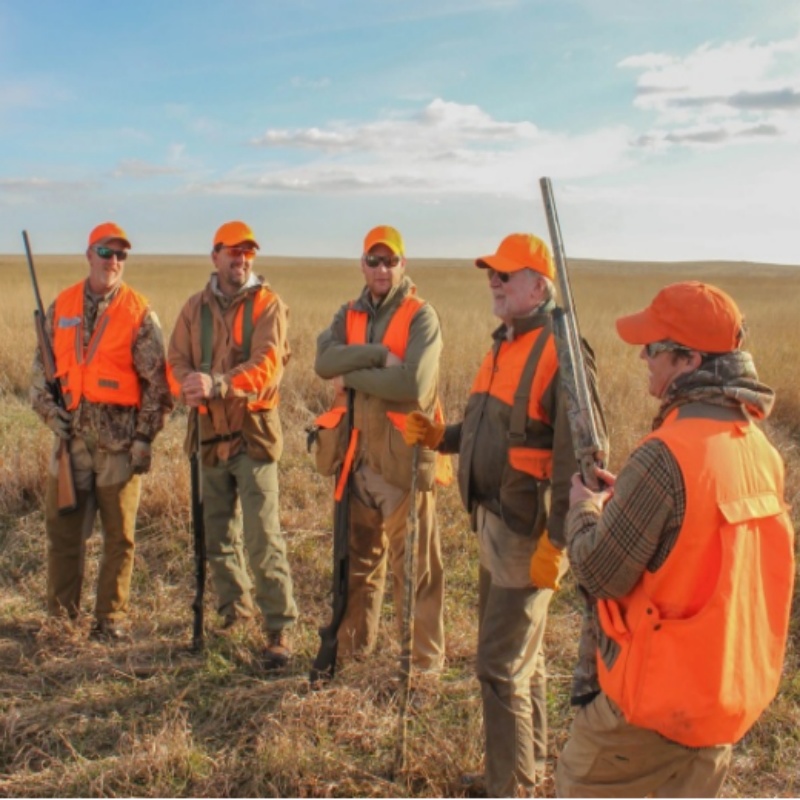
<point>254,533</point>
<point>378,529</point>
<point>605,756</point>
<point>104,484</point>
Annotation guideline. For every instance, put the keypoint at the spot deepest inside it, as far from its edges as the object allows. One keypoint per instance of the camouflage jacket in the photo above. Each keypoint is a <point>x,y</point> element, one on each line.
<point>114,427</point>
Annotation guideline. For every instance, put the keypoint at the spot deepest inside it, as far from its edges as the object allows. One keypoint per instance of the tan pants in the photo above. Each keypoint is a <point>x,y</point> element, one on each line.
<point>378,529</point>
<point>510,659</point>
<point>605,756</point>
<point>104,483</point>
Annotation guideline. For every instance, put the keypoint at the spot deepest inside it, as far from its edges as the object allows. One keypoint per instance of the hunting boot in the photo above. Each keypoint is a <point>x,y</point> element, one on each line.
<point>278,650</point>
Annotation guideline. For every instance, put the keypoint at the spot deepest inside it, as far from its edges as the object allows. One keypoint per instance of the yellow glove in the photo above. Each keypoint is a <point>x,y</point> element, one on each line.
<point>421,430</point>
<point>546,564</point>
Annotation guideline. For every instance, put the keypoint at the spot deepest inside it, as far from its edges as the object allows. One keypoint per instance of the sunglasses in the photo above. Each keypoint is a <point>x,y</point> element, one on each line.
<point>503,277</point>
<point>246,252</point>
<point>107,253</point>
<point>388,261</point>
<point>654,348</point>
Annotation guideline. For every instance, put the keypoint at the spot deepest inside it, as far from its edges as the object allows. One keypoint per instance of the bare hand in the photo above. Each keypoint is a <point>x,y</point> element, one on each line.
<point>338,385</point>
<point>579,491</point>
<point>197,388</point>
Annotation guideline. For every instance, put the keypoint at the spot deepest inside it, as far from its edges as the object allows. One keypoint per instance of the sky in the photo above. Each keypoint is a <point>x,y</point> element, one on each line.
<point>669,128</point>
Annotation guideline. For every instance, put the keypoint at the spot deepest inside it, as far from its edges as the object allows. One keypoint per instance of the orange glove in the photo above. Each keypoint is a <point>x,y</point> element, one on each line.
<point>421,430</point>
<point>546,564</point>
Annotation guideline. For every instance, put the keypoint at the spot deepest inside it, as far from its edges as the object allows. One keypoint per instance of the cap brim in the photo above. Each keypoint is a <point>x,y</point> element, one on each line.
<point>237,243</point>
<point>113,238</point>
<point>641,328</point>
<point>391,245</point>
<point>499,264</point>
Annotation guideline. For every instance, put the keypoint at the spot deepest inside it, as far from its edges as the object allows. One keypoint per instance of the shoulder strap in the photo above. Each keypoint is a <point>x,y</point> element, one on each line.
<point>206,337</point>
<point>247,326</point>
<point>519,412</point>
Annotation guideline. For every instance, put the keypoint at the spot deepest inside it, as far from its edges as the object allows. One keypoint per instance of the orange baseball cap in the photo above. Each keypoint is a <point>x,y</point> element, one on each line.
<point>108,230</point>
<point>385,234</point>
<point>520,251</point>
<point>232,233</point>
<point>696,315</point>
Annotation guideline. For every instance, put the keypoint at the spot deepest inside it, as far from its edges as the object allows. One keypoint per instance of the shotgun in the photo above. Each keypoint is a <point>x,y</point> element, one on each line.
<point>198,534</point>
<point>582,402</point>
<point>324,665</point>
<point>67,496</point>
<point>409,604</point>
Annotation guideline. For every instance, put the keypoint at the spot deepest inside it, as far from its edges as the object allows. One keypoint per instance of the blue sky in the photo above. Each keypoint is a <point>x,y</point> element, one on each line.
<point>670,128</point>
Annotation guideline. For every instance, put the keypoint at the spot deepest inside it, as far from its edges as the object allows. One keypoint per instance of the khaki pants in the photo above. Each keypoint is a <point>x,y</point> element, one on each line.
<point>510,659</point>
<point>104,483</point>
<point>378,529</point>
<point>605,756</point>
<point>256,533</point>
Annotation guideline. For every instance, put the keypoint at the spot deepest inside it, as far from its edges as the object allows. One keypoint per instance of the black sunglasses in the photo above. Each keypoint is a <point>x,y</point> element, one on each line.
<point>108,252</point>
<point>503,277</point>
<point>388,261</point>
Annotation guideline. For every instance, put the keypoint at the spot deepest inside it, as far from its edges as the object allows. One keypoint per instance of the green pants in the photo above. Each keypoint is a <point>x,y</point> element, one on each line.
<point>104,484</point>
<point>255,535</point>
<point>510,660</point>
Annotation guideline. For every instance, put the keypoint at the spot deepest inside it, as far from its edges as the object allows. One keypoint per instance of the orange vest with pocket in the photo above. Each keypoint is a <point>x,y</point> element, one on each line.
<point>102,372</point>
<point>702,638</point>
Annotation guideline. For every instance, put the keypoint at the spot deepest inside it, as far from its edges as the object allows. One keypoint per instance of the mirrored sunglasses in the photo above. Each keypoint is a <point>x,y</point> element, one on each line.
<point>107,252</point>
<point>388,261</point>
<point>245,252</point>
<point>654,348</point>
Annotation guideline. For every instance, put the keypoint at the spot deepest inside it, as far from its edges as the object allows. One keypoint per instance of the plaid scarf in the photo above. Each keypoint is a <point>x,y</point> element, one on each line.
<point>729,379</point>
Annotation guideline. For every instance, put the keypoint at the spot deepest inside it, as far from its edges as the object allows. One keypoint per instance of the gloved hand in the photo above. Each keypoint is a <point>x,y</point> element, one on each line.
<point>546,564</point>
<point>421,430</point>
<point>140,457</point>
<point>59,420</point>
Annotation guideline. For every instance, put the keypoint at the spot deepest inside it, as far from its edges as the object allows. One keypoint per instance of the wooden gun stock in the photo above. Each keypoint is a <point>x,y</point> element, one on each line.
<point>67,495</point>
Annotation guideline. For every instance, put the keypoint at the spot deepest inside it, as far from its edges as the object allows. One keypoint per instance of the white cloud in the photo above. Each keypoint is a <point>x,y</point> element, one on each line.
<point>443,148</point>
<point>720,94</point>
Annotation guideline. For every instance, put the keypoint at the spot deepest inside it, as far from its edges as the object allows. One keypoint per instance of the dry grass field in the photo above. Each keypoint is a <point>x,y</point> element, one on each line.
<point>78,718</point>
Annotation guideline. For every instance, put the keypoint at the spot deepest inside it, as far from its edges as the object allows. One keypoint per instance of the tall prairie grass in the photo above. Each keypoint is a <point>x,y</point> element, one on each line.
<point>148,719</point>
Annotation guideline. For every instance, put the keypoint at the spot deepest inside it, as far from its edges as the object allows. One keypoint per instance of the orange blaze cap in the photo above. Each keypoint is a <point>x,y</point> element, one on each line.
<point>520,251</point>
<point>696,315</point>
<point>385,234</point>
<point>232,233</point>
<point>108,230</point>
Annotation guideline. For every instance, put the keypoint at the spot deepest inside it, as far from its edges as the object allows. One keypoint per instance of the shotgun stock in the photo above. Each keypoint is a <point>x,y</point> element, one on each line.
<point>199,538</point>
<point>582,401</point>
<point>67,496</point>
<point>324,666</point>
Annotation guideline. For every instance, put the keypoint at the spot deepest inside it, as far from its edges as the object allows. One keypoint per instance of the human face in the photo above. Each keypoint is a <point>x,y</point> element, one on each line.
<point>382,278</point>
<point>517,296</point>
<point>234,265</point>
<point>105,274</point>
<point>665,366</point>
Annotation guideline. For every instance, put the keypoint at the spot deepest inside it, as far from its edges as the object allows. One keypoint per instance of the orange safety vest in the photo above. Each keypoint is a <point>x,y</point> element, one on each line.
<point>244,320</point>
<point>500,376</point>
<point>103,372</point>
<point>702,638</point>
<point>396,339</point>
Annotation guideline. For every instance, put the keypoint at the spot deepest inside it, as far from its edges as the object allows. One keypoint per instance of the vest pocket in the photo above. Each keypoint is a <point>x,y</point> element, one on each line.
<point>327,440</point>
<point>263,434</point>
<point>396,462</point>
<point>525,490</point>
